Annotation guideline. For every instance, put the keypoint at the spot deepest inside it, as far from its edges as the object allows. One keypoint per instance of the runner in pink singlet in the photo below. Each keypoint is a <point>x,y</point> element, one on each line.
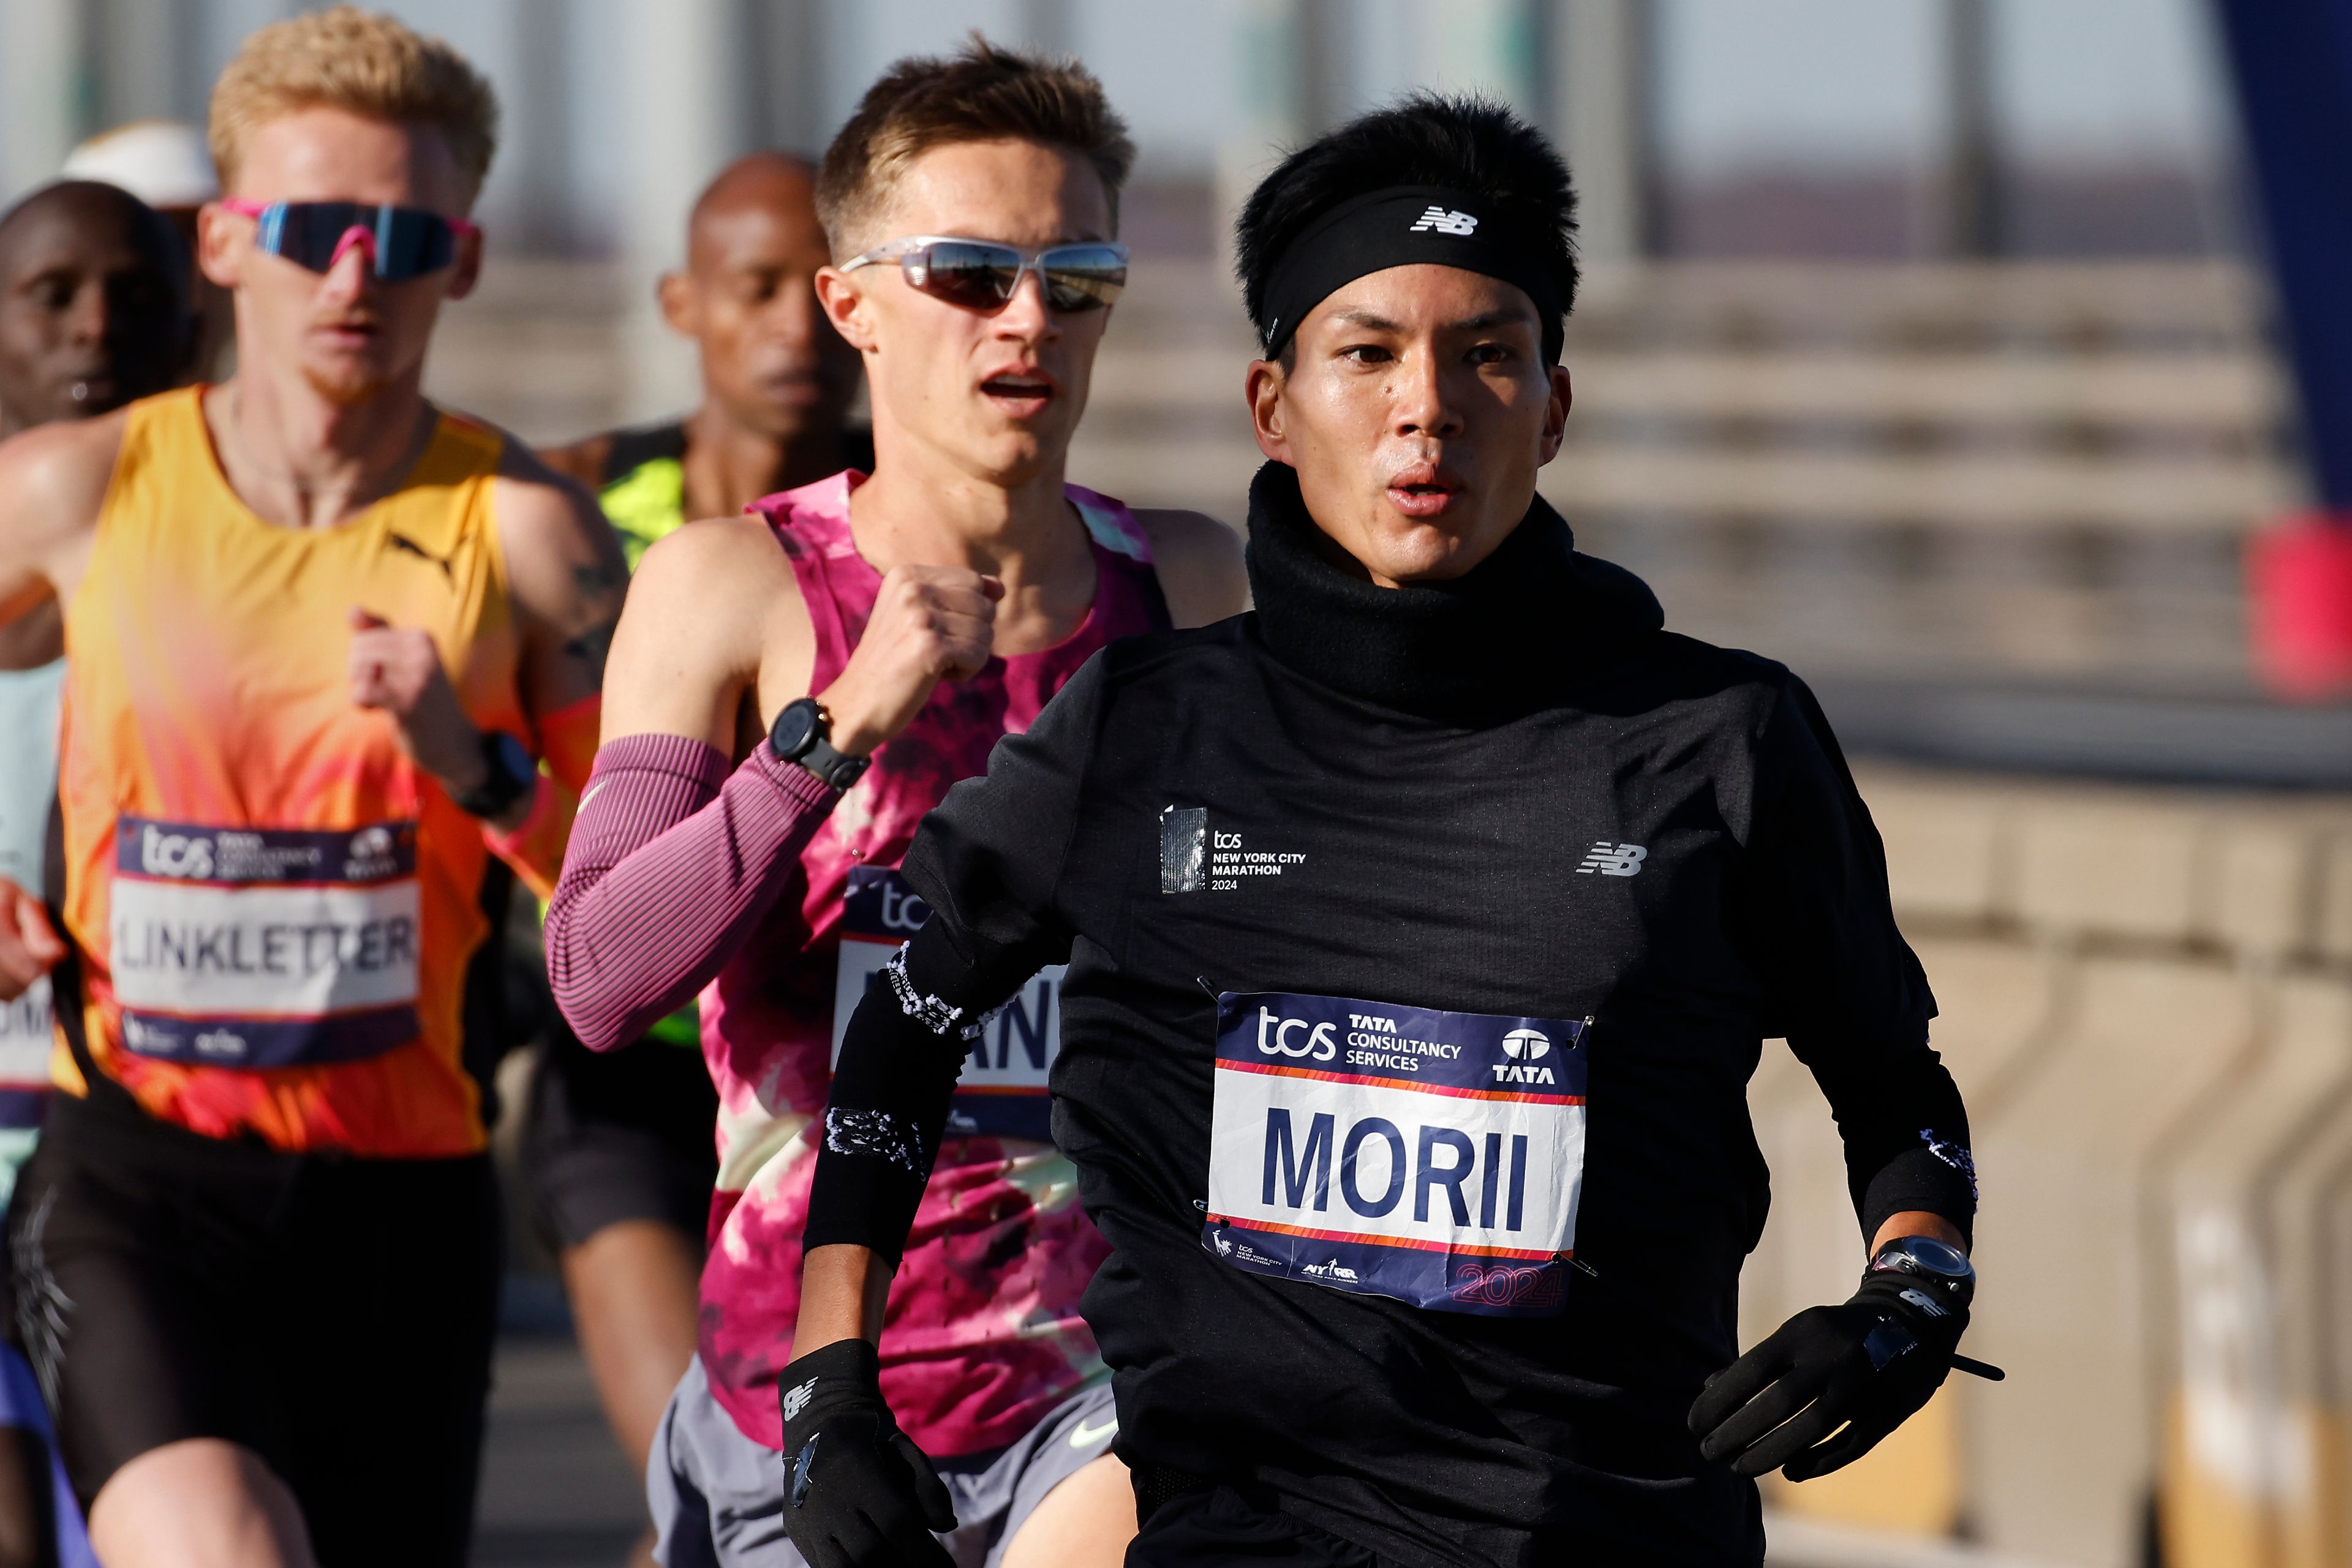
<point>789,692</point>
<point>982,1335</point>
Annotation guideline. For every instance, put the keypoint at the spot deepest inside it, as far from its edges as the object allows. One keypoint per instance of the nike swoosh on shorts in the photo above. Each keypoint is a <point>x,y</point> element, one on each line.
<point>1085,1437</point>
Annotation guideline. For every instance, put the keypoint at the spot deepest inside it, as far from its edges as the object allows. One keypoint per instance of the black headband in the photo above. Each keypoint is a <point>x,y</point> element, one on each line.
<point>1399,227</point>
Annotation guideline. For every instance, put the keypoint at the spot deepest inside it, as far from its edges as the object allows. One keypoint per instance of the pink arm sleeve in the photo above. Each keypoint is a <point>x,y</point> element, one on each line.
<point>672,863</point>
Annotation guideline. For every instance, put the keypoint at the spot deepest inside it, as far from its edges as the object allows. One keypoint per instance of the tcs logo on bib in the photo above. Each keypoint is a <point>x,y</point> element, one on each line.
<point>1279,1037</point>
<point>163,854</point>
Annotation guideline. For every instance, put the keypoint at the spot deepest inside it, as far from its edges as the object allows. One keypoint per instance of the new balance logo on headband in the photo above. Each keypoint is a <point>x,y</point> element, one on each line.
<point>1444,222</point>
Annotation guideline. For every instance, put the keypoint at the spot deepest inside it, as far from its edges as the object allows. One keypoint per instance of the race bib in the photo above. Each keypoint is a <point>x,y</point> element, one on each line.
<point>1436,1158</point>
<point>1002,1093</point>
<point>247,947</point>
<point>24,1041</point>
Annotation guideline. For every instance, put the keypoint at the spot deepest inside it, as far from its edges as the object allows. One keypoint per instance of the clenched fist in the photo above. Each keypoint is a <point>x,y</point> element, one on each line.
<point>929,624</point>
<point>398,670</point>
<point>29,945</point>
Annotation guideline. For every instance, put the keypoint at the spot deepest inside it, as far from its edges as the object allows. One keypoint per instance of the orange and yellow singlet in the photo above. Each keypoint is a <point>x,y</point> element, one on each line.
<point>274,907</point>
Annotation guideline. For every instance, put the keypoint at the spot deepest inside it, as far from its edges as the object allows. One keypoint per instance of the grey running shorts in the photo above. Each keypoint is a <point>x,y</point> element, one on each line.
<point>718,1498</point>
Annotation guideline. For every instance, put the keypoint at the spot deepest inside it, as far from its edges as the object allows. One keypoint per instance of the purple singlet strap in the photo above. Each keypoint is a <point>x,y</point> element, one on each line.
<point>672,864</point>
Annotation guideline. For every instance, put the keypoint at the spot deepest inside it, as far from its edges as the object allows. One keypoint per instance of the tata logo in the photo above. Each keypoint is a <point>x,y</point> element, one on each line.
<point>370,854</point>
<point>1275,1037</point>
<point>1526,1044</point>
<point>186,855</point>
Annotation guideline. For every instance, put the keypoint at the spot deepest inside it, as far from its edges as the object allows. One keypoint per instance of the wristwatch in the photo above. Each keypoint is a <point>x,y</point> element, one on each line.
<point>509,775</point>
<point>1944,1268</point>
<point>802,734</point>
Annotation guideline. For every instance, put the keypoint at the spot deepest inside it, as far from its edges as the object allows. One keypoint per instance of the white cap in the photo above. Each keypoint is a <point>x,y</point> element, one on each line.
<point>162,161</point>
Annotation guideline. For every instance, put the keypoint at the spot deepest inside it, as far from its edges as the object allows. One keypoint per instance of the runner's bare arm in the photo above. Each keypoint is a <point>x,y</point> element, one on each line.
<point>844,1288</point>
<point>714,615</point>
<point>53,481</point>
<point>567,574</point>
<point>564,579</point>
<point>678,851</point>
<point>1199,561</point>
<point>583,460</point>
<point>677,857</point>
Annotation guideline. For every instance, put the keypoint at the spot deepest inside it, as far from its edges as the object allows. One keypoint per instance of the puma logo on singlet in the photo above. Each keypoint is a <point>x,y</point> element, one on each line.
<point>402,542</point>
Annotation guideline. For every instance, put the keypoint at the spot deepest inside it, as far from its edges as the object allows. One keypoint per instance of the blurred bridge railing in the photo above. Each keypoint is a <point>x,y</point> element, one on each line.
<point>1988,472</point>
<point>2147,1001</point>
<point>2023,473</point>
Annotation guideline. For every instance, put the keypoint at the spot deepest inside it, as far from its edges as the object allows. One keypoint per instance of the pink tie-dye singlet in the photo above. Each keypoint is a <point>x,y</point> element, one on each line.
<point>982,1334</point>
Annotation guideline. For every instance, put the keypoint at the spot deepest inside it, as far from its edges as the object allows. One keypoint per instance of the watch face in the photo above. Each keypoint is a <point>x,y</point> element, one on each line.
<point>1934,1257</point>
<point>515,759</point>
<point>795,728</point>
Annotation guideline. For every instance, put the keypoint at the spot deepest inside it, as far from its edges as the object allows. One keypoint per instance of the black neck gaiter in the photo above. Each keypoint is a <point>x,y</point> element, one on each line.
<point>1501,639</point>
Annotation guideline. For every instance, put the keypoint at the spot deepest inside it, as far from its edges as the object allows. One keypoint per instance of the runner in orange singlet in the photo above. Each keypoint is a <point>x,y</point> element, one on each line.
<point>319,636</point>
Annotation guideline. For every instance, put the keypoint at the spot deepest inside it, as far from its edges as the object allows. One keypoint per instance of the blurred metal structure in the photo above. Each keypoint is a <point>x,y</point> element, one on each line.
<point>688,111</point>
<point>44,88</point>
<point>1489,46</point>
<point>1276,52</point>
<point>1601,75</point>
<point>2294,65</point>
<point>1972,162</point>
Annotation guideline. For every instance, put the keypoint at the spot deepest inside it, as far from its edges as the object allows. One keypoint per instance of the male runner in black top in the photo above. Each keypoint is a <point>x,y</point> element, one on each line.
<point>1424,928</point>
<point>619,1149</point>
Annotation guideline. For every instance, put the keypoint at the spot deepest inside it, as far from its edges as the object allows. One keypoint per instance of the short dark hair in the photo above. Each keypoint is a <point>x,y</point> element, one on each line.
<point>1466,143</point>
<point>88,202</point>
<point>980,93</point>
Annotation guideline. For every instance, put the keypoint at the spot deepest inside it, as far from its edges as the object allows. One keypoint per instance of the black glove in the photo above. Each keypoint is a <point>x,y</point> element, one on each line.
<point>1870,1362</point>
<point>857,1492</point>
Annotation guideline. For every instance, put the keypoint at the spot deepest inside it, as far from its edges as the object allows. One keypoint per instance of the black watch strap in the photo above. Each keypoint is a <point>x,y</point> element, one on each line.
<point>801,734</point>
<point>839,771</point>
<point>509,774</point>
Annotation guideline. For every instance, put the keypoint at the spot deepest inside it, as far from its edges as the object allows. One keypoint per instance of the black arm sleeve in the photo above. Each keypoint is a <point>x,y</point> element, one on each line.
<point>1845,988</point>
<point>988,862</point>
<point>900,1057</point>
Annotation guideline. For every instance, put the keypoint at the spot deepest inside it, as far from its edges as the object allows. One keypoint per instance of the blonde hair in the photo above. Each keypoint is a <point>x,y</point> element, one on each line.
<point>980,93</point>
<point>346,58</point>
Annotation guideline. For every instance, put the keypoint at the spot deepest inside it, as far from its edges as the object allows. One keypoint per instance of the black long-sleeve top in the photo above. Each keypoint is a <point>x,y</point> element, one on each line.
<point>1441,853</point>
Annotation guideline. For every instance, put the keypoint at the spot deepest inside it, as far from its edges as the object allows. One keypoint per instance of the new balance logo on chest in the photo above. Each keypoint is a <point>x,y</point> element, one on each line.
<point>1612,860</point>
